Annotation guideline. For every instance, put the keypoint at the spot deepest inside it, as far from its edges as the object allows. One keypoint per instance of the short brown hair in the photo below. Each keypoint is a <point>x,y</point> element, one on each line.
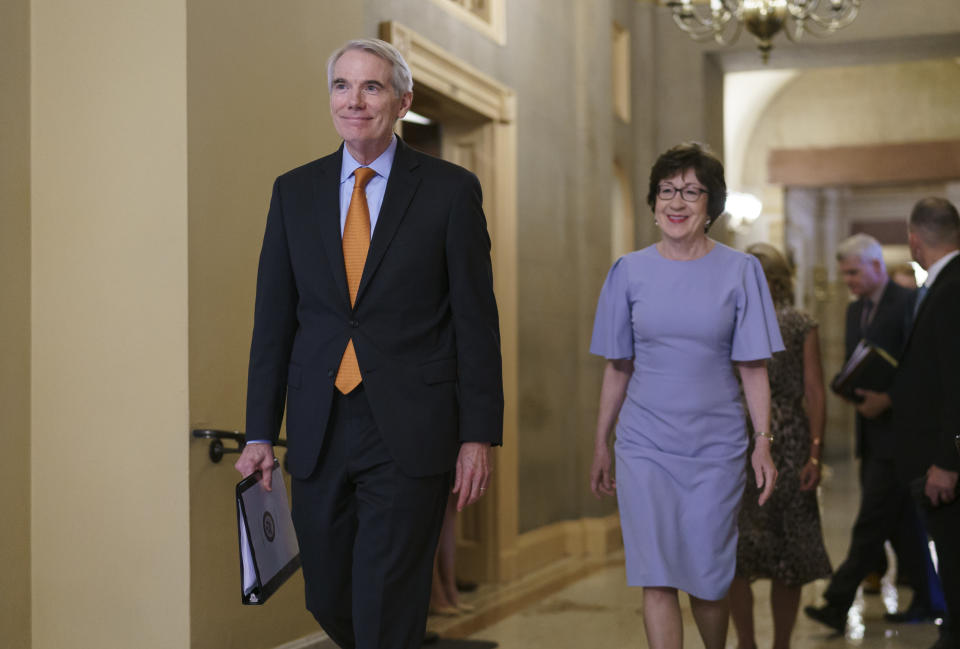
<point>703,162</point>
<point>936,221</point>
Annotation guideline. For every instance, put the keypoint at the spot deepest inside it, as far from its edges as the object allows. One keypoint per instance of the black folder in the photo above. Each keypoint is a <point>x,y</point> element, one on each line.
<point>869,367</point>
<point>269,554</point>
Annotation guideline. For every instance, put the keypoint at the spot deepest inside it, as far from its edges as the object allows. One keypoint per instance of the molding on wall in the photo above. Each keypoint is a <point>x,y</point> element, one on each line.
<point>584,537</point>
<point>493,25</point>
<point>865,165</point>
<point>435,67</point>
<point>312,641</point>
<point>490,552</point>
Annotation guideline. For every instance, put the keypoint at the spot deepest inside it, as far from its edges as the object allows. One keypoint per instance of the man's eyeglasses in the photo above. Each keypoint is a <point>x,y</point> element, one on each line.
<point>689,194</point>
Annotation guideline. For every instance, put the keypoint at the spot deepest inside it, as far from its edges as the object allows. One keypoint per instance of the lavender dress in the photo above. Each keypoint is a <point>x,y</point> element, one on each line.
<point>681,441</point>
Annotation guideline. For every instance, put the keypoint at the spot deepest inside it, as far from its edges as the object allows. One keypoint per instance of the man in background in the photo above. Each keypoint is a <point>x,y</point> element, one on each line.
<point>878,316</point>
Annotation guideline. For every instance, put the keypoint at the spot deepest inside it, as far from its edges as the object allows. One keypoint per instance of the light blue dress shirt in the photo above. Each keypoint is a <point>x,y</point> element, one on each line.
<point>375,187</point>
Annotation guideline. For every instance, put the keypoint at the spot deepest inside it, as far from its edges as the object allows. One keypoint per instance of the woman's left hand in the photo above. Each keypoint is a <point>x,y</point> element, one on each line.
<point>809,476</point>
<point>764,469</point>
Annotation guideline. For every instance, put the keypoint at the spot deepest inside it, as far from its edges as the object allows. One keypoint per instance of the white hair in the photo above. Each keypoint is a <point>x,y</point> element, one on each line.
<point>860,245</point>
<point>401,79</point>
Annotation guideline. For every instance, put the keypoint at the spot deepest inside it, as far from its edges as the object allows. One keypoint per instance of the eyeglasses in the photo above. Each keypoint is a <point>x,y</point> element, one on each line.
<point>689,194</point>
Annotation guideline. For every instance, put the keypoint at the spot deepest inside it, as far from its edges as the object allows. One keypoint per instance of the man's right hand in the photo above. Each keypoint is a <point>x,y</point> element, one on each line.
<point>257,457</point>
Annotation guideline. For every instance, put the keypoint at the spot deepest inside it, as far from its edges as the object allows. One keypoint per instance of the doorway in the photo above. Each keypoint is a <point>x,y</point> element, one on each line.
<point>470,121</point>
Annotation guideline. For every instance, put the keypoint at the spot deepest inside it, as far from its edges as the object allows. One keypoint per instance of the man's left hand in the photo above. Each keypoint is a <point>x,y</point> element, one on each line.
<point>874,404</point>
<point>473,473</point>
<point>941,487</point>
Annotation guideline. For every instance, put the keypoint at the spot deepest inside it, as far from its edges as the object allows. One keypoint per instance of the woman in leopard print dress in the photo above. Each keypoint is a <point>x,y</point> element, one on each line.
<point>782,541</point>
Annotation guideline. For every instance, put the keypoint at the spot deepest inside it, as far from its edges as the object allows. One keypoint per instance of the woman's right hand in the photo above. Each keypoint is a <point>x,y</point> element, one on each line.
<point>601,478</point>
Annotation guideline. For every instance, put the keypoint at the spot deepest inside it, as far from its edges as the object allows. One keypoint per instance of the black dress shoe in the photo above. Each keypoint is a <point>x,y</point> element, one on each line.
<point>915,614</point>
<point>829,616</point>
<point>430,637</point>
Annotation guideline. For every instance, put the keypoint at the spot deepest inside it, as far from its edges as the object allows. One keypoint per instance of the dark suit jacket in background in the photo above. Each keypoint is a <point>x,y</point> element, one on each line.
<point>425,325</point>
<point>888,330</point>
<point>926,389</point>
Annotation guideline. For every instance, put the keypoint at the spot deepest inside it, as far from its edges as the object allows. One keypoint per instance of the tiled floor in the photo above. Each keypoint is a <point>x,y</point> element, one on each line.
<point>592,606</point>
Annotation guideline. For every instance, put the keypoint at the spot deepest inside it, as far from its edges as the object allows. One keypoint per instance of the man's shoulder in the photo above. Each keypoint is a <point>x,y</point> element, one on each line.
<point>432,167</point>
<point>898,295</point>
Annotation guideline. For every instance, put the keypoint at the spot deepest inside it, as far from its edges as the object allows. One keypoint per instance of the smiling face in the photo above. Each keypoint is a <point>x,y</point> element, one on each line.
<point>364,104</point>
<point>681,221</point>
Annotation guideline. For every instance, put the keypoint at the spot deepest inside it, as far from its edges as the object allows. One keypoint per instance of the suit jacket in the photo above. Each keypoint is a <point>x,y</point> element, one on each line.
<point>887,329</point>
<point>926,388</point>
<point>424,325</point>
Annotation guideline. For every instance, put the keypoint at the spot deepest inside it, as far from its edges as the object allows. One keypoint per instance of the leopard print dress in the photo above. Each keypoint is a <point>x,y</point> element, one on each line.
<point>783,540</point>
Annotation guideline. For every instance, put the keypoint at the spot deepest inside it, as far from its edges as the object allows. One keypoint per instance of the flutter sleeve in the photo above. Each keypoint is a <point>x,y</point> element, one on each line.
<point>756,334</point>
<point>612,326</point>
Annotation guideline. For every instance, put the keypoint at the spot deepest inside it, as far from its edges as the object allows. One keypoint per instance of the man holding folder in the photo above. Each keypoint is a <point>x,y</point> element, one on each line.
<point>880,317</point>
<point>376,322</point>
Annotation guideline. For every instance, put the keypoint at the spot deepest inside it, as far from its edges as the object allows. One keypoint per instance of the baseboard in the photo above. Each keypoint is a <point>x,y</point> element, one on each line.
<point>585,537</point>
<point>313,641</point>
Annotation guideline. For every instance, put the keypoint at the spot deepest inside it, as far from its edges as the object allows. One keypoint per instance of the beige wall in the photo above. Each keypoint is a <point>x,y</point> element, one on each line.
<point>257,108</point>
<point>15,322</point>
<point>109,533</point>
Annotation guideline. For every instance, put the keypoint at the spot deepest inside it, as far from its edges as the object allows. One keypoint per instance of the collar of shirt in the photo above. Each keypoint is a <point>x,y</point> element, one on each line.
<point>375,188</point>
<point>937,266</point>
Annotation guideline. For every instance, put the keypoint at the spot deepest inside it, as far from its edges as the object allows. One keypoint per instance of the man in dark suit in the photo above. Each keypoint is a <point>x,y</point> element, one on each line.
<point>879,316</point>
<point>925,397</point>
<point>375,321</point>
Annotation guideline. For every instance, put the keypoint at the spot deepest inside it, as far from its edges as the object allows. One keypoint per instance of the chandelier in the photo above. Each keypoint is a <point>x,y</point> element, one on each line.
<point>722,20</point>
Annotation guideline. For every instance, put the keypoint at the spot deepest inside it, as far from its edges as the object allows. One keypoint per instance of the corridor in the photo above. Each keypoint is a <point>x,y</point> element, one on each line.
<point>579,605</point>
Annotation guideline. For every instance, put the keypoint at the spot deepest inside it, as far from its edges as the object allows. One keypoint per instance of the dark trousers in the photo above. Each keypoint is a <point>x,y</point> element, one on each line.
<point>367,535</point>
<point>885,510</point>
<point>943,524</point>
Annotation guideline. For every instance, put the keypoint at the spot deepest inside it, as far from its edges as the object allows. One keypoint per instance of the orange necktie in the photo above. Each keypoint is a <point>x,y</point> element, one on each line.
<point>356,242</point>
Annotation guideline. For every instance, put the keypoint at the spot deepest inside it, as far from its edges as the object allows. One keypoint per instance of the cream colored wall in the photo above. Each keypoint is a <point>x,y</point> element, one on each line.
<point>847,106</point>
<point>15,323</point>
<point>109,519</point>
<point>257,108</point>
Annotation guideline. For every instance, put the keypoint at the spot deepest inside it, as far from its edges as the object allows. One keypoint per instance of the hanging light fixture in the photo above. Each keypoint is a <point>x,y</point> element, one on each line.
<point>722,20</point>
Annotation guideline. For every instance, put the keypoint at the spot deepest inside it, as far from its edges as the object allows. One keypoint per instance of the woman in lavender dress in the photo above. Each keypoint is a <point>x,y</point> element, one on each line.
<point>673,321</point>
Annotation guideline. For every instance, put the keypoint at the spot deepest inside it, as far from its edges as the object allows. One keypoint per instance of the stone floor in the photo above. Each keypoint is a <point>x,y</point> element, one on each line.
<point>580,604</point>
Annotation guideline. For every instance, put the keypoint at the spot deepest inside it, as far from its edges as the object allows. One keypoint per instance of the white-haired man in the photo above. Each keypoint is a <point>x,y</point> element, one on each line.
<point>375,320</point>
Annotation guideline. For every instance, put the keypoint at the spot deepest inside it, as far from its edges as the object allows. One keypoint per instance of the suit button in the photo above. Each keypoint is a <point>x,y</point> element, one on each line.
<point>354,323</point>
<point>331,373</point>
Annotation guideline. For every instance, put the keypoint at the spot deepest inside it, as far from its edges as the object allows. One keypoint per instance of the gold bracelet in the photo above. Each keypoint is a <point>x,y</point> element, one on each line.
<point>815,461</point>
<point>766,436</point>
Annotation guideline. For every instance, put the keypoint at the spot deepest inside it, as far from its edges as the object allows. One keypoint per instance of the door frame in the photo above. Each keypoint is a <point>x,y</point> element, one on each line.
<point>487,542</point>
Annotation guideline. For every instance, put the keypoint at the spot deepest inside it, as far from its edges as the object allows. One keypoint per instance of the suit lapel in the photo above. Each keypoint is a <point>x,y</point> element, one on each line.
<point>326,186</point>
<point>401,186</point>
